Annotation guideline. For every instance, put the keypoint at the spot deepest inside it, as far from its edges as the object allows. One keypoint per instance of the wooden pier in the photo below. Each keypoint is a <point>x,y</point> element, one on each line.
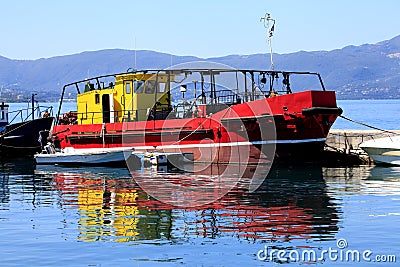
<point>343,145</point>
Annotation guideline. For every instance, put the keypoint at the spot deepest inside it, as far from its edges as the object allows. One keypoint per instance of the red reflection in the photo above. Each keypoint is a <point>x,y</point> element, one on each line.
<point>281,209</point>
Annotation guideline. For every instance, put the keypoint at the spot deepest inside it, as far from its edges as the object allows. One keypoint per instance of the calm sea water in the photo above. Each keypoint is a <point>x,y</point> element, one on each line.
<point>382,114</point>
<point>54,216</point>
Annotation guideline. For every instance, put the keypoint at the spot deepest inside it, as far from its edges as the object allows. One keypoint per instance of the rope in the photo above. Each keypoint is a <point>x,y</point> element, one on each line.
<point>200,125</point>
<point>185,137</point>
<point>219,132</point>
<point>15,128</point>
<point>334,148</point>
<point>367,125</point>
<point>20,147</point>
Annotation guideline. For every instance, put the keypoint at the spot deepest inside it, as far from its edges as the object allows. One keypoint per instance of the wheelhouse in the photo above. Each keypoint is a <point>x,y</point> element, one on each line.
<point>176,93</point>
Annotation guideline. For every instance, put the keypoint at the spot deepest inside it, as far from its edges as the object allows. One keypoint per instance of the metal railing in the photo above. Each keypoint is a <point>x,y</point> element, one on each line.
<point>106,117</point>
<point>18,115</point>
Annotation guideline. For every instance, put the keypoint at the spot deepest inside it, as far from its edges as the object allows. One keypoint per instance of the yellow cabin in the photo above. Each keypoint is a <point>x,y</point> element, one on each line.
<point>131,97</point>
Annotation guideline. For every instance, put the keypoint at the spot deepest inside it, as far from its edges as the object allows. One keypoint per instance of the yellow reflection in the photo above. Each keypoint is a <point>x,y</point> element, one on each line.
<point>106,213</point>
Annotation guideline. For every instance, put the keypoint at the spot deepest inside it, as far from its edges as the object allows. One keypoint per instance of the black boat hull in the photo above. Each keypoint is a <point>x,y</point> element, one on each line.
<point>22,139</point>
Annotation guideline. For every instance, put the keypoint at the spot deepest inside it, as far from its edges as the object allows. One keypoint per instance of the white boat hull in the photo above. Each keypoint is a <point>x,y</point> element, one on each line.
<point>383,150</point>
<point>85,156</point>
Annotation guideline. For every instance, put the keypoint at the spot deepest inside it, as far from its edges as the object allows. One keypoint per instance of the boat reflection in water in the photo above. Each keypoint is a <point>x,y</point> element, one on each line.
<point>382,181</point>
<point>289,204</point>
<point>364,180</point>
<point>387,173</point>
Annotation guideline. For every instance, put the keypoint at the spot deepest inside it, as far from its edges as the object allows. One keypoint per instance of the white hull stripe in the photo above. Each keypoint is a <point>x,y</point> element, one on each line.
<point>214,145</point>
<point>289,141</point>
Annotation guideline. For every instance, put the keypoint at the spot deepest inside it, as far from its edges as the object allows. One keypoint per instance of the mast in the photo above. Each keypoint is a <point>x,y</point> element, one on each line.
<point>269,24</point>
<point>134,60</point>
<point>33,106</point>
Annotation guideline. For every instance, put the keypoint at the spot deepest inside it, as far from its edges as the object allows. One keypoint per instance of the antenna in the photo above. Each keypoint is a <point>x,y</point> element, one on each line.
<point>269,24</point>
<point>134,63</point>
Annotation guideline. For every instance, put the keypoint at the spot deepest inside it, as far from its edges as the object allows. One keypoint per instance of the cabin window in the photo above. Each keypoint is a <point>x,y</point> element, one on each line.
<point>97,98</point>
<point>128,88</point>
<point>150,86</point>
<point>139,86</point>
<point>161,87</point>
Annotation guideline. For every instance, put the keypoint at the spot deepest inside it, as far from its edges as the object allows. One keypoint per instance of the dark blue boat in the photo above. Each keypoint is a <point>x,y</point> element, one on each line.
<point>27,136</point>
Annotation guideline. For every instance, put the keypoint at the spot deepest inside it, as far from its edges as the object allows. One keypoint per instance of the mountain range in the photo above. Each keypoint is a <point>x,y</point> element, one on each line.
<point>369,71</point>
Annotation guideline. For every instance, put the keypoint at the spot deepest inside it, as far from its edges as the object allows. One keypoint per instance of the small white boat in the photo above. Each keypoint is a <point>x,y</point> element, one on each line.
<point>383,150</point>
<point>87,156</point>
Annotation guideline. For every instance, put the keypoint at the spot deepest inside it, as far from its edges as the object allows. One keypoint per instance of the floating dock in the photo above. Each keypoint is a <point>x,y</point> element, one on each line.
<point>343,145</point>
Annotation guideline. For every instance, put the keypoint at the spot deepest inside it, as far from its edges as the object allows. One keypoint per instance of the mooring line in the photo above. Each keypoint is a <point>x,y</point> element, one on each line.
<point>367,125</point>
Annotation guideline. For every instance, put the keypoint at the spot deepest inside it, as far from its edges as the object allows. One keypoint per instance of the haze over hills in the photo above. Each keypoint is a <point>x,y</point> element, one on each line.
<point>354,72</point>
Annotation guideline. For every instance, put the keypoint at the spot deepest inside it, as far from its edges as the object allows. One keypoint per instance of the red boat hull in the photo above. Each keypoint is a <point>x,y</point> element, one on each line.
<point>287,126</point>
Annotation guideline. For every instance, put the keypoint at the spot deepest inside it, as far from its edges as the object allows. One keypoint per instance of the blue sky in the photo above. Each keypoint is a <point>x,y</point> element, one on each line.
<point>207,28</point>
